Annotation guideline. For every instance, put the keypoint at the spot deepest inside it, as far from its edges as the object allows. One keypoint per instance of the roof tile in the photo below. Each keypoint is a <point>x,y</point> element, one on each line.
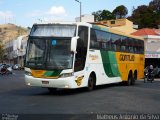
<point>146,31</point>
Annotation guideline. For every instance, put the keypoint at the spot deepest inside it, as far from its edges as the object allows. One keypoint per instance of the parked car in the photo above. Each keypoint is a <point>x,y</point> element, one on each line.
<point>17,67</point>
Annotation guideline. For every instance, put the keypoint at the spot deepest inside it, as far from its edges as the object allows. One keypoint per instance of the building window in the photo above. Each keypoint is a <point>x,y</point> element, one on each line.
<point>113,22</point>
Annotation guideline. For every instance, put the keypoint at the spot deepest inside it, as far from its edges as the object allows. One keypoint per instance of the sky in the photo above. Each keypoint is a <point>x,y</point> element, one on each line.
<point>27,12</point>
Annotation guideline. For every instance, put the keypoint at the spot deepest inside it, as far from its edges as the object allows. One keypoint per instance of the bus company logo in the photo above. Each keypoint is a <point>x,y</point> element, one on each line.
<point>93,57</point>
<point>79,80</point>
<point>127,57</point>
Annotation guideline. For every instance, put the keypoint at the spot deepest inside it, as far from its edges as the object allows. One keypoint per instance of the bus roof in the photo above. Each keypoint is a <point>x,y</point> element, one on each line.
<point>95,25</point>
<point>63,23</point>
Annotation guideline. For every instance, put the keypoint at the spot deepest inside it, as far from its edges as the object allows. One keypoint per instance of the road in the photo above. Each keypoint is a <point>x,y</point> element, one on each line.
<point>17,98</point>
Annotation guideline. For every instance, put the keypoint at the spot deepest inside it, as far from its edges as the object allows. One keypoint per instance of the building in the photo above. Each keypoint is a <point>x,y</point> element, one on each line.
<point>152,45</point>
<point>16,49</point>
<point>122,25</point>
<point>85,18</point>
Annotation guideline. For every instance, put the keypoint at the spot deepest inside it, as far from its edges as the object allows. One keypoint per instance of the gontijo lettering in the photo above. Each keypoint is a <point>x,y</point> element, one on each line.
<point>127,57</point>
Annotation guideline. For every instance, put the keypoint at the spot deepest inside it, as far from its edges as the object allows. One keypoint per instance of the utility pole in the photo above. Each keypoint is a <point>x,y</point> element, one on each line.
<point>80,9</point>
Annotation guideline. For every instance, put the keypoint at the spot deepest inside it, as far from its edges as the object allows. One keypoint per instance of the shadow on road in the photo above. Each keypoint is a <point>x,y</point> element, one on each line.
<point>36,91</point>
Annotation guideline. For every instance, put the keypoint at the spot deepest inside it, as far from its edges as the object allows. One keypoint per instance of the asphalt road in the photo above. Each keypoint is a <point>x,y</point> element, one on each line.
<point>17,98</point>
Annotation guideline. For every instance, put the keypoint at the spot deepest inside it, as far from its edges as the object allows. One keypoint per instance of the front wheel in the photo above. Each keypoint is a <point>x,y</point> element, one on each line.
<point>91,82</point>
<point>51,90</point>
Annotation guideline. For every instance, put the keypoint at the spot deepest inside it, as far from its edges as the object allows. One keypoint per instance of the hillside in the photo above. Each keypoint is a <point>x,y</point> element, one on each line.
<point>10,32</point>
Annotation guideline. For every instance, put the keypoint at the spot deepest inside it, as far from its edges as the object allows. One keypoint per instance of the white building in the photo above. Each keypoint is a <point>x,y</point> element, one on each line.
<point>152,45</point>
<point>85,18</point>
<point>16,49</point>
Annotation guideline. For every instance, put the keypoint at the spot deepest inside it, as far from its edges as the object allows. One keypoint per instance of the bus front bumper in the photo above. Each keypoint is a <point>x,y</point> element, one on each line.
<point>68,82</point>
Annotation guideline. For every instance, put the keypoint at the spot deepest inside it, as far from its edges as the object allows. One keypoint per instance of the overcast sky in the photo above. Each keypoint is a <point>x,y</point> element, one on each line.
<point>27,12</point>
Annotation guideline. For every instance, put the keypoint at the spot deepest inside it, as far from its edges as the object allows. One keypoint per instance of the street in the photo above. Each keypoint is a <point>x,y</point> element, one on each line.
<point>17,98</point>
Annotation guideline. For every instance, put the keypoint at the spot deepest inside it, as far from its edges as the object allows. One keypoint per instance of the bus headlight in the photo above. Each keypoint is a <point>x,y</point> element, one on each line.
<point>63,75</point>
<point>28,73</point>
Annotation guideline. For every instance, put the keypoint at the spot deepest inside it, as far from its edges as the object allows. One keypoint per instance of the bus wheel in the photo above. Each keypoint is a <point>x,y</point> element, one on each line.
<point>130,80</point>
<point>91,82</point>
<point>51,90</point>
<point>134,79</point>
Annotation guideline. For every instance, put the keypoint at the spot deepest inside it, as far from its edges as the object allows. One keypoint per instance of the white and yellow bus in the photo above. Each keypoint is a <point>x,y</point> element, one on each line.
<point>75,55</point>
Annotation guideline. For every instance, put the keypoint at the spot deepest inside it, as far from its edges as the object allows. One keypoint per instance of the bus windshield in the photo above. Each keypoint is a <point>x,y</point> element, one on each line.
<point>49,53</point>
<point>53,30</point>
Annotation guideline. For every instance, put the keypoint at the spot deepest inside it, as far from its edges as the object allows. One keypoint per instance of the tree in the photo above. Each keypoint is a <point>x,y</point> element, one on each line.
<point>120,11</point>
<point>155,4</point>
<point>145,17</point>
<point>107,15</point>
<point>97,15</point>
<point>103,15</point>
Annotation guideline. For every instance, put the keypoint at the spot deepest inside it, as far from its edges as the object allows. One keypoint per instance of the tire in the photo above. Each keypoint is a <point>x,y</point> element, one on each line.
<point>130,79</point>
<point>133,80</point>
<point>51,90</point>
<point>145,79</point>
<point>152,79</point>
<point>91,82</point>
<point>159,74</point>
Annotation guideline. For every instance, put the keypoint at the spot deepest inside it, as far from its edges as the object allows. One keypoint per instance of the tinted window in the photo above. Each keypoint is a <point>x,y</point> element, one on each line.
<point>115,42</point>
<point>82,44</point>
<point>100,40</point>
<point>94,44</point>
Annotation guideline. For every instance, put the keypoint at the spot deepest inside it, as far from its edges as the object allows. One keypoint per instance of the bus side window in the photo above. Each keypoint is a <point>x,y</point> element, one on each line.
<point>130,45</point>
<point>94,44</point>
<point>116,42</point>
<point>141,47</point>
<point>123,44</point>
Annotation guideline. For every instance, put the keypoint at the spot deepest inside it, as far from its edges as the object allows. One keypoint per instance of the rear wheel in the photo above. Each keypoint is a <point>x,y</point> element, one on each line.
<point>134,79</point>
<point>91,82</point>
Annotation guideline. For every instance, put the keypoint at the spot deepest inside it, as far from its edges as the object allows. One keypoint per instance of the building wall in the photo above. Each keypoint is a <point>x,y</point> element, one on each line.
<point>16,49</point>
<point>85,18</point>
<point>122,25</point>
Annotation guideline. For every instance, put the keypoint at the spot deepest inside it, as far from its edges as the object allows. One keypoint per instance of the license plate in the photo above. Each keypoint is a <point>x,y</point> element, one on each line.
<point>45,82</point>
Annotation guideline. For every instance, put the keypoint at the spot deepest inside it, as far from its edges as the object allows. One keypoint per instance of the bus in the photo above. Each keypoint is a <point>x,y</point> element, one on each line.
<point>74,55</point>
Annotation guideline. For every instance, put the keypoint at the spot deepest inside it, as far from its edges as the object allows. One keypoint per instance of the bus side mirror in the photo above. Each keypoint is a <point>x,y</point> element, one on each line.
<point>74,44</point>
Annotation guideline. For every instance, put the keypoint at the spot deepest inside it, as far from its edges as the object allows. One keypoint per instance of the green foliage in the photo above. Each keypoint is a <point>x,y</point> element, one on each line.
<point>97,15</point>
<point>147,16</point>
<point>107,15</point>
<point>155,5</point>
<point>103,15</point>
<point>120,11</point>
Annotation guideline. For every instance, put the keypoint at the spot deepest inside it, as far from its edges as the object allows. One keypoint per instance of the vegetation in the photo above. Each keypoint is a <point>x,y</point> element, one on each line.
<point>120,12</point>
<point>145,16</point>
<point>103,15</point>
